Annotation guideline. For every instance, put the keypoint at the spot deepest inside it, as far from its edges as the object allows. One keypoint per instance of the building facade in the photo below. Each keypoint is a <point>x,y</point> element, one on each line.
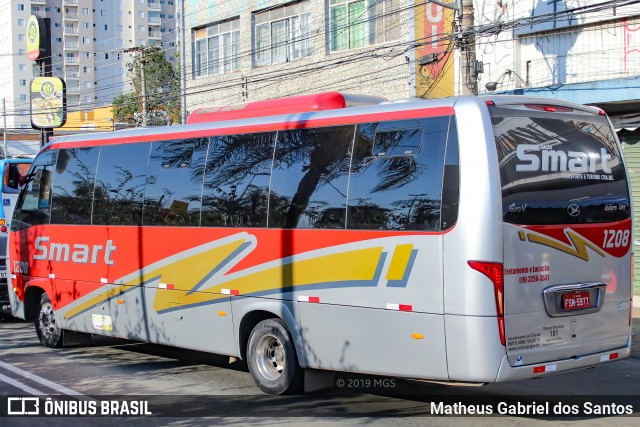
<point>254,49</point>
<point>88,42</point>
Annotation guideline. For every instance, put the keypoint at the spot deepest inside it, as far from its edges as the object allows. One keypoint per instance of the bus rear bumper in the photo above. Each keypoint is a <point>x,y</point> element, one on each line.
<point>514,373</point>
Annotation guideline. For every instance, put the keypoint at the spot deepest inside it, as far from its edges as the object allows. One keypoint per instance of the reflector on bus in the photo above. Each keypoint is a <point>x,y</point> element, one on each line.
<point>292,105</point>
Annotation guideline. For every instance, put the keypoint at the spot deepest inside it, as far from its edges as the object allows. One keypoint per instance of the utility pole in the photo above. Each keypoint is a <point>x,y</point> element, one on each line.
<point>467,45</point>
<point>4,127</point>
<point>183,67</point>
<point>143,84</point>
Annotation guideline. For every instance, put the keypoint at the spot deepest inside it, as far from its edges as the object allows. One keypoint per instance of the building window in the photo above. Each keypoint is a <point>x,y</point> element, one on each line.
<point>23,82</point>
<point>20,6</point>
<point>21,37</point>
<point>20,22</point>
<point>85,11</point>
<point>357,23</point>
<point>23,97</point>
<point>22,67</point>
<point>86,40</point>
<point>282,34</point>
<point>59,39</point>
<point>217,48</point>
<point>22,51</point>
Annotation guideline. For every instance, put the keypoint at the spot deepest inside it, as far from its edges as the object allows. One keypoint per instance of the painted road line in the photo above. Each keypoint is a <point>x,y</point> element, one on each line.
<point>17,384</point>
<point>43,381</point>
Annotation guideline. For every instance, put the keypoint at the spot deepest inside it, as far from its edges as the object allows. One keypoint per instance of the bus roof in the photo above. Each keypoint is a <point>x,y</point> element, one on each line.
<point>275,107</point>
<point>258,122</point>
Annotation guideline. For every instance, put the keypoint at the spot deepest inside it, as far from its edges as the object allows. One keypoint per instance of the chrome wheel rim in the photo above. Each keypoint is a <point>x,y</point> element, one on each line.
<point>270,357</point>
<point>47,321</point>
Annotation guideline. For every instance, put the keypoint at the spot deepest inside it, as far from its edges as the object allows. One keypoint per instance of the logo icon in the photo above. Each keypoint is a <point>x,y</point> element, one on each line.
<point>23,406</point>
<point>573,210</point>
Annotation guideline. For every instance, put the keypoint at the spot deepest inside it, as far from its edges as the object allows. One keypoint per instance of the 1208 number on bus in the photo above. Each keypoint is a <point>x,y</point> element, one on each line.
<point>616,238</point>
<point>21,267</point>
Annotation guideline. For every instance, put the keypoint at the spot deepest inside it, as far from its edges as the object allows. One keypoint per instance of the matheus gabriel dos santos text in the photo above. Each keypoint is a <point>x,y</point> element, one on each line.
<point>533,408</point>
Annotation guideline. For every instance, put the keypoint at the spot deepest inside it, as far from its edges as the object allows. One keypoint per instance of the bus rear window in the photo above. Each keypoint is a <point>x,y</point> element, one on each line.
<point>559,168</point>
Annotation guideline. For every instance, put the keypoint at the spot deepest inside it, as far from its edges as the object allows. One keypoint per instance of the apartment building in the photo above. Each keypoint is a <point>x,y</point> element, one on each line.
<point>88,42</point>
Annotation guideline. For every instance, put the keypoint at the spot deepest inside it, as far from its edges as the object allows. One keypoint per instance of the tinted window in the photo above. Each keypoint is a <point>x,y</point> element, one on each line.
<point>73,185</point>
<point>396,175</point>
<point>309,180</point>
<point>451,179</point>
<point>174,182</point>
<point>14,176</point>
<point>34,203</point>
<point>236,182</point>
<point>559,168</point>
<point>120,180</point>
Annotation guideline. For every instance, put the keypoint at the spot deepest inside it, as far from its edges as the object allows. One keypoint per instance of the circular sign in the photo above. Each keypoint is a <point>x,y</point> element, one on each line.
<point>47,90</point>
<point>33,38</point>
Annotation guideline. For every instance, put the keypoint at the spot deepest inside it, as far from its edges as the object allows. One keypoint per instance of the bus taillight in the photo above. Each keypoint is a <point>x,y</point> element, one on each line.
<point>495,272</point>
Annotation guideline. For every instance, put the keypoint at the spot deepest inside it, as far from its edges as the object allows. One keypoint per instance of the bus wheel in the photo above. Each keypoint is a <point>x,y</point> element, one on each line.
<point>271,357</point>
<point>47,328</point>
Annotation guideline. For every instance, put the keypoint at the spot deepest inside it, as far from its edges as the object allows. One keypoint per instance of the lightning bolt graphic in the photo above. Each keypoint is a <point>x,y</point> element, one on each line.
<point>578,248</point>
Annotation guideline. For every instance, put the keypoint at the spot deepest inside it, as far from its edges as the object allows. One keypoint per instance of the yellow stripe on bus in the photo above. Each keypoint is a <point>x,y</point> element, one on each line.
<point>399,262</point>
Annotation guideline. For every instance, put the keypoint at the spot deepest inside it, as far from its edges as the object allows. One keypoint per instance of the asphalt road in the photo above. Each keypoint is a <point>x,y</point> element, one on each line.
<point>194,388</point>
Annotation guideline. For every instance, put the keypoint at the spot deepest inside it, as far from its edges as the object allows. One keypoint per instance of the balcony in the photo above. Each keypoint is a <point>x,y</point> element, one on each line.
<point>71,75</point>
<point>155,35</point>
<point>73,89</point>
<point>71,60</point>
<point>38,2</point>
<point>70,30</point>
<point>70,45</point>
<point>71,2</point>
<point>39,13</point>
<point>154,20</point>
<point>154,5</point>
<point>71,16</point>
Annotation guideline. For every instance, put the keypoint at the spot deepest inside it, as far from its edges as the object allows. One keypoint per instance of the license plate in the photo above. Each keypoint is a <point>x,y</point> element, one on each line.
<point>576,300</point>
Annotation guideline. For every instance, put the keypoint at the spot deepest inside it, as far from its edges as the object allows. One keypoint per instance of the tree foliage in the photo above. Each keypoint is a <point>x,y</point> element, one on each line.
<point>162,82</point>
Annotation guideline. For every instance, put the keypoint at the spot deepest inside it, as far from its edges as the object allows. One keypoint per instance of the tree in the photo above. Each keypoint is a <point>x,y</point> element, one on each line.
<point>162,89</point>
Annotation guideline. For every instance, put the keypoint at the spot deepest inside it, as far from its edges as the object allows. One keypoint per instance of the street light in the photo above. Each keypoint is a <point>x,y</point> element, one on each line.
<point>492,86</point>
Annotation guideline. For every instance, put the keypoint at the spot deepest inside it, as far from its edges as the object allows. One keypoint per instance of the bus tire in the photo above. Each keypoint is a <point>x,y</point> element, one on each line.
<point>272,359</point>
<point>47,327</point>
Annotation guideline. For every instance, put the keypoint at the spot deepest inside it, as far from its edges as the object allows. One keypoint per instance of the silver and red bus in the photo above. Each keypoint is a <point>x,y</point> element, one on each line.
<point>465,239</point>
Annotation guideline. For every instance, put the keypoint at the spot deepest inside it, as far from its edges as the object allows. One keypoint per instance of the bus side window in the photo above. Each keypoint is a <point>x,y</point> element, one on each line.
<point>120,183</point>
<point>309,178</point>
<point>73,185</point>
<point>236,181</point>
<point>396,175</point>
<point>451,179</point>
<point>34,203</point>
<point>173,191</point>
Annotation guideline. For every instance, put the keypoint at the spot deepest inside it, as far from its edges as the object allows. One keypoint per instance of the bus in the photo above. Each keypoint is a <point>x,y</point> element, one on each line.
<point>465,239</point>
<point>13,172</point>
